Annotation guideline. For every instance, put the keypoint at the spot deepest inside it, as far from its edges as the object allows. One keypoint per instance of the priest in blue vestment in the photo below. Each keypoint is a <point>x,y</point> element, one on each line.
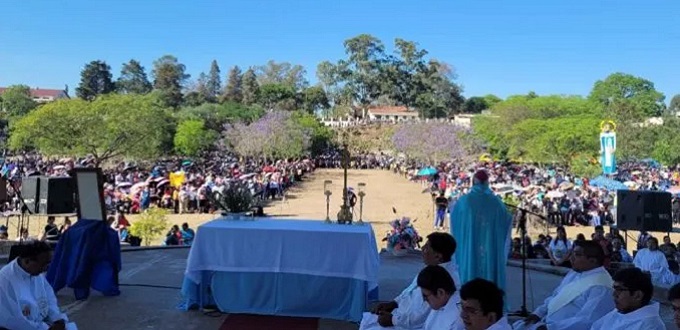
<point>482,225</point>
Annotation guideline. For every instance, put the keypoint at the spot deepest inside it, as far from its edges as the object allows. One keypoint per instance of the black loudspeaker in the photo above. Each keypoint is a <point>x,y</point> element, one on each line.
<point>644,211</point>
<point>3,191</point>
<point>30,189</point>
<point>57,195</point>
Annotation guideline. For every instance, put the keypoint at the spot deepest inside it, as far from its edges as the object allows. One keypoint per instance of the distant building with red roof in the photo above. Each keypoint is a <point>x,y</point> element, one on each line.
<point>45,95</point>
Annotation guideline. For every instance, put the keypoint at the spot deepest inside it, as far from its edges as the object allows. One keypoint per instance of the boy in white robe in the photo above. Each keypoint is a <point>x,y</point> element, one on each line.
<point>674,299</point>
<point>583,296</point>
<point>652,260</point>
<point>409,310</point>
<point>27,301</point>
<point>633,292</point>
<point>481,306</point>
<point>438,289</point>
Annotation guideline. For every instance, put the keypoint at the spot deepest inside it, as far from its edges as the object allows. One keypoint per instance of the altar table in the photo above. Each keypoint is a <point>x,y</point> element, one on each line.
<point>301,268</point>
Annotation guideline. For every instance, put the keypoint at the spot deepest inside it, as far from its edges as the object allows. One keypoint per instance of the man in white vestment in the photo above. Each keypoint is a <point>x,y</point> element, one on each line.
<point>583,296</point>
<point>674,299</point>
<point>481,306</point>
<point>653,261</point>
<point>633,292</point>
<point>409,310</point>
<point>438,289</point>
<point>27,301</point>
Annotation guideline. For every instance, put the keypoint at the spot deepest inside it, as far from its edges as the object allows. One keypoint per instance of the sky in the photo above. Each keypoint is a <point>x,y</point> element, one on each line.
<point>500,47</point>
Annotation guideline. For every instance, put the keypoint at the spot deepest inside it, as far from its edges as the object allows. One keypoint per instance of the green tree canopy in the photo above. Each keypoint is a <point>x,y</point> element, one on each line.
<point>95,80</point>
<point>192,137</point>
<point>625,89</point>
<point>116,125</point>
<point>17,100</point>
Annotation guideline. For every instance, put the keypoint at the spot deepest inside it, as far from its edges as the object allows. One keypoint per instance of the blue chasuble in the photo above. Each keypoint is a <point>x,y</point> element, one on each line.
<point>481,224</point>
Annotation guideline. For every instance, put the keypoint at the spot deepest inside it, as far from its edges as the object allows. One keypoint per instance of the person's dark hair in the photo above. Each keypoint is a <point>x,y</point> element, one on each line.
<point>592,249</point>
<point>634,279</point>
<point>674,292</point>
<point>185,225</point>
<point>33,249</point>
<point>443,243</point>
<point>490,297</point>
<point>433,278</point>
<point>564,239</point>
<point>580,237</point>
<point>599,227</point>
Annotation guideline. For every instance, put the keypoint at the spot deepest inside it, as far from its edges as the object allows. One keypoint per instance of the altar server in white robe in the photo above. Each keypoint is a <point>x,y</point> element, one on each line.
<point>674,298</point>
<point>633,292</point>
<point>438,290</point>
<point>482,306</point>
<point>409,310</point>
<point>652,260</point>
<point>583,296</point>
<point>27,301</point>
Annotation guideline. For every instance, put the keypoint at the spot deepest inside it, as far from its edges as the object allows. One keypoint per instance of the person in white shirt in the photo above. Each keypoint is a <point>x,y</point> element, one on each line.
<point>409,310</point>
<point>674,299</point>
<point>633,292</point>
<point>583,296</point>
<point>559,249</point>
<point>27,301</point>
<point>653,261</point>
<point>438,289</point>
<point>481,306</point>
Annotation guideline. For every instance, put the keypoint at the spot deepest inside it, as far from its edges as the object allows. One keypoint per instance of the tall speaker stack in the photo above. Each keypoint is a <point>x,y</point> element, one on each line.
<point>49,195</point>
<point>644,211</point>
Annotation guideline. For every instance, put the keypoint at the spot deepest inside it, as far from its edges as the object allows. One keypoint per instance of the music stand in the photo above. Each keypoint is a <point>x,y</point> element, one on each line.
<point>90,193</point>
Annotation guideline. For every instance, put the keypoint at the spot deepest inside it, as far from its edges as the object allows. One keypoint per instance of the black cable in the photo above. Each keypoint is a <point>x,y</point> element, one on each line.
<point>151,286</point>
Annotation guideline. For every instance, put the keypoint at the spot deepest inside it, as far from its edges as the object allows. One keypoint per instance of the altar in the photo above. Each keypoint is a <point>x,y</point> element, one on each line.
<point>301,268</point>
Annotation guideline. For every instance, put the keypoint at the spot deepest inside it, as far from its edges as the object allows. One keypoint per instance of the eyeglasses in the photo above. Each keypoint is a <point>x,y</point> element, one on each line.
<point>467,309</point>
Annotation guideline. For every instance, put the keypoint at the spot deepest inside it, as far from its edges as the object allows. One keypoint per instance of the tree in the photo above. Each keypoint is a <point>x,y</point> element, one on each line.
<point>95,80</point>
<point>625,90</point>
<point>361,71</point>
<point>475,104</point>
<point>432,142</point>
<point>233,91</point>
<point>674,107</point>
<point>277,96</point>
<point>282,73</point>
<point>215,116</point>
<point>17,100</point>
<point>169,78</point>
<point>192,138</point>
<point>275,135</point>
<point>116,125</point>
<point>133,79</point>
<point>314,99</point>
<point>250,89</point>
<point>214,82</point>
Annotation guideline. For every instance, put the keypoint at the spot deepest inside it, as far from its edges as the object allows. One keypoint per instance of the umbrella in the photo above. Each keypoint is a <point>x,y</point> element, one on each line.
<point>162,182</point>
<point>674,190</point>
<point>124,184</point>
<point>59,167</point>
<point>428,171</point>
<point>246,176</point>
<point>607,183</point>
<point>187,163</point>
<point>137,187</point>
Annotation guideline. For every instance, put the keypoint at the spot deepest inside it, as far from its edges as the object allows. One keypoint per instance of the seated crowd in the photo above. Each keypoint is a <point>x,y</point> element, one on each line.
<point>588,297</point>
<point>659,260</point>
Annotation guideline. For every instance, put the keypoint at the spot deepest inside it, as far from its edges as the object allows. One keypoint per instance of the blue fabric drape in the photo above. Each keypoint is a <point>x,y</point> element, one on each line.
<point>87,256</point>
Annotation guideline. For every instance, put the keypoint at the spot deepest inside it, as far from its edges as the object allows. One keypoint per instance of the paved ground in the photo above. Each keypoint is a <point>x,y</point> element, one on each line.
<point>150,293</point>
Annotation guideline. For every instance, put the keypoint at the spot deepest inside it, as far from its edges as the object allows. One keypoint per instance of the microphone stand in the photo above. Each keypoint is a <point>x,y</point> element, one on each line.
<point>522,229</point>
